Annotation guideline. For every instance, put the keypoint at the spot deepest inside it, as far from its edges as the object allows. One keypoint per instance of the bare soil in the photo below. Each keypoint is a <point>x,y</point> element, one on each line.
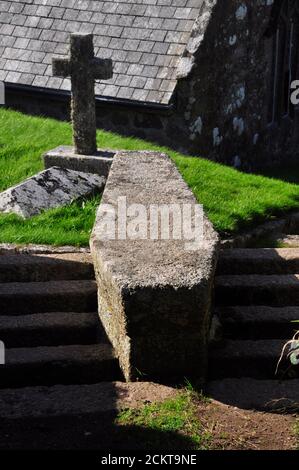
<point>236,429</point>
<point>230,428</point>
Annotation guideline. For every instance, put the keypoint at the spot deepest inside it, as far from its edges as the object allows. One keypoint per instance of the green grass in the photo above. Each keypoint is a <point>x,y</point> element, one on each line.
<point>236,200</point>
<point>69,225</point>
<point>174,421</point>
<point>233,200</point>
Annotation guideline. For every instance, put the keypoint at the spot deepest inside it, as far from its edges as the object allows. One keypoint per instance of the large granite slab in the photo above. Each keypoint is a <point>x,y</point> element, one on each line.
<point>49,189</point>
<point>154,295</point>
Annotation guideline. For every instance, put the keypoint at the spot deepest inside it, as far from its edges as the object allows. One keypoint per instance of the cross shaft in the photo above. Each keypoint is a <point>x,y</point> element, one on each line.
<point>84,69</point>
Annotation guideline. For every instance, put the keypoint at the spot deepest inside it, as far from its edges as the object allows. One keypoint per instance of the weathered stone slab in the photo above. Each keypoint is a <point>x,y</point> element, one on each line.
<point>65,157</point>
<point>154,295</point>
<point>48,189</point>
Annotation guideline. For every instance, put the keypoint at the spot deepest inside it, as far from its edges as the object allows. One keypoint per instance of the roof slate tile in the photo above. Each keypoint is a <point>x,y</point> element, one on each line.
<point>144,38</point>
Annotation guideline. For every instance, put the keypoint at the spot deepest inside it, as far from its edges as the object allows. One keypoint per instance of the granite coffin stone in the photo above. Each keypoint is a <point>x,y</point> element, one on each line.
<point>48,189</point>
<point>154,296</point>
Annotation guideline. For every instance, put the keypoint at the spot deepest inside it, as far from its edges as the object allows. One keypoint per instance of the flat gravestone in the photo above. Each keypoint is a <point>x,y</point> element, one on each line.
<point>49,189</point>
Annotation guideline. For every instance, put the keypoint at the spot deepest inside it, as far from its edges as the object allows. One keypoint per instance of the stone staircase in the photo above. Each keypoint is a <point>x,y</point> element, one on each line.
<point>61,386</point>
<point>62,373</point>
<point>49,322</point>
<point>256,298</point>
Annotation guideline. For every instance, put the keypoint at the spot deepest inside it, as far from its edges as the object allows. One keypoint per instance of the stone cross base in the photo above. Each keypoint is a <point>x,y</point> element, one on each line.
<point>65,157</point>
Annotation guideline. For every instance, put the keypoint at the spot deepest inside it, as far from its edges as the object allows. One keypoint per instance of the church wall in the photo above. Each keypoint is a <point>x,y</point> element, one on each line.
<point>230,90</point>
<point>162,126</point>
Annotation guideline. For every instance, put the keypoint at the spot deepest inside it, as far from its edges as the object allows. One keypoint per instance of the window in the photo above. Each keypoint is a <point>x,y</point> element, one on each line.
<point>285,59</point>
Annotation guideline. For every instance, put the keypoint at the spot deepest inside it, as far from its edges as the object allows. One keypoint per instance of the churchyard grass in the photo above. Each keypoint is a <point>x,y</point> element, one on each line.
<point>232,199</point>
<point>69,225</point>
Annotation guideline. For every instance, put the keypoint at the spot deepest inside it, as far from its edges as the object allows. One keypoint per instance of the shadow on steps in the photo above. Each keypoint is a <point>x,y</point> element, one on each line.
<point>81,417</point>
<point>257,302</point>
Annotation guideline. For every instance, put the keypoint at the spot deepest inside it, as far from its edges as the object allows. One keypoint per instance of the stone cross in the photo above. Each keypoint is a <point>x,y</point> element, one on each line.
<point>84,69</point>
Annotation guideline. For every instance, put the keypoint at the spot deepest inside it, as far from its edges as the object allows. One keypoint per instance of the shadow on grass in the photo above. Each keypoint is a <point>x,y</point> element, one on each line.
<point>288,173</point>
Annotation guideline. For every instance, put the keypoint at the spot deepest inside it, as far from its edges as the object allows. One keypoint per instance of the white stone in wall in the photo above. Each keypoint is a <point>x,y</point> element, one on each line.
<point>217,138</point>
<point>239,125</point>
<point>241,12</point>
<point>49,189</point>
<point>237,161</point>
<point>232,40</point>
<point>197,126</point>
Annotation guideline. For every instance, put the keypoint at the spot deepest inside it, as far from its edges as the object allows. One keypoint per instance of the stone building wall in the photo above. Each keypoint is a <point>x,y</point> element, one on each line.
<point>221,106</point>
<point>230,89</point>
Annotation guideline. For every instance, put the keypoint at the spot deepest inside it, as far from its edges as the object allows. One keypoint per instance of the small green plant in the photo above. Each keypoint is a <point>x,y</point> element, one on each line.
<point>289,358</point>
<point>189,386</point>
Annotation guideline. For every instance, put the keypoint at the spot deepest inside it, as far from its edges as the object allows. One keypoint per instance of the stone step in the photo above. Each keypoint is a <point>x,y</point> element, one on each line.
<point>74,416</point>
<point>258,322</point>
<point>259,261</point>
<point>245,358</point>
<point>53,296</point>
<point>261,395</point>
<point>75,364</point>
<point>78,400</point>
<point>50,329</point>
<point>254,289</point>
<point>45,267</point>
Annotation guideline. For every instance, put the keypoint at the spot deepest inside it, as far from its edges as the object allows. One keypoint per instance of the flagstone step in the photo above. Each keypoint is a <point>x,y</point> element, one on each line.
<point>245,358</point>
<point>75,364</point>
<point>259,261</point>
<point>262,395</point>
<point>45,267</point>
<point>52,296</point>
<point>258,321</point>
<point>78,400</point>
<point>50,329</point>
<point>74,416</point>
<point>254,289</point>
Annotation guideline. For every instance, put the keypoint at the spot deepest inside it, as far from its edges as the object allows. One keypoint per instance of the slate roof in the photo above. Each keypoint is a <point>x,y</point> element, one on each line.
<point>145,39</point>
